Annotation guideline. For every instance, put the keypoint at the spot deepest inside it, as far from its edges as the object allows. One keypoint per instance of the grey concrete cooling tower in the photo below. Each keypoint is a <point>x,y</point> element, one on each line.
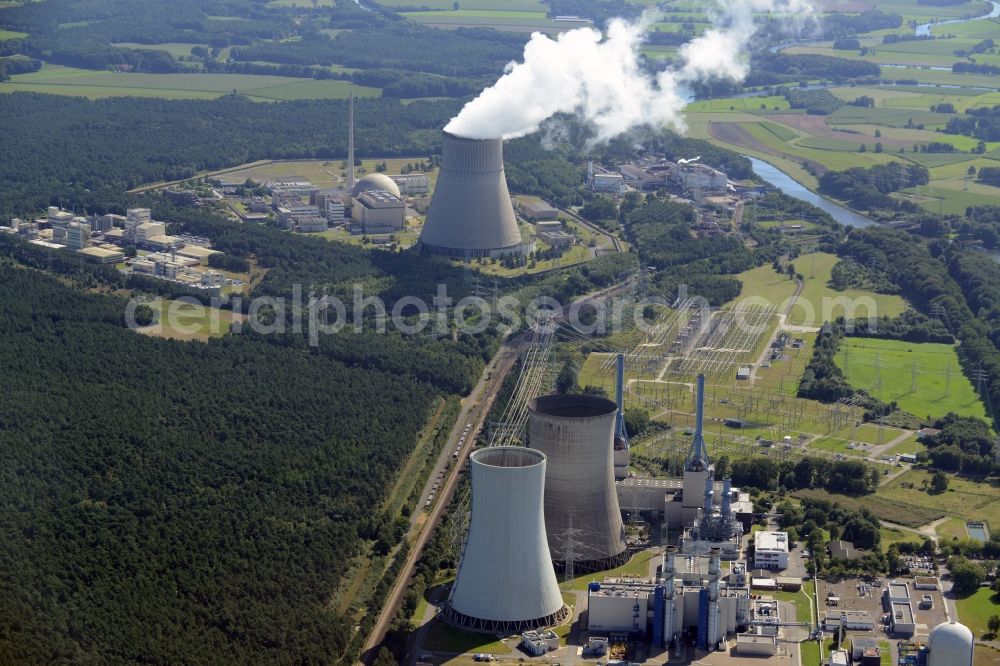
<point>471,214</point>
<point>582,517</point>
<point>506,582</point>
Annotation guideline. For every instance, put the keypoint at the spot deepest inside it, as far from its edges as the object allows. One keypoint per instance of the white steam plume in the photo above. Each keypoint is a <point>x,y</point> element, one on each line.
<point>600,78</point>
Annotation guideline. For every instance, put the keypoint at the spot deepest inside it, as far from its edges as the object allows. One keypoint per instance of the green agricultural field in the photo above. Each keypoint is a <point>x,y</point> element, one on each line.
<point>939,386</point>
<point>819,302</point>
<point>59,80</point>
<point>747,104</point>
<point>975,610</point>
<point>10,34</point>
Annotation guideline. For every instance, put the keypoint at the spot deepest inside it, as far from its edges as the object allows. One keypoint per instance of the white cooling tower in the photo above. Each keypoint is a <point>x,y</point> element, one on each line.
<point>471,213</point>
<point>582,517</point>
<point>950,644</point>
<point>505,581</point>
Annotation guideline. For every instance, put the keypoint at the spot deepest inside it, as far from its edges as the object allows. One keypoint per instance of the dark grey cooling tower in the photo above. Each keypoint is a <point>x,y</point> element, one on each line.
<point>582,518</point>
<point>471,214</point>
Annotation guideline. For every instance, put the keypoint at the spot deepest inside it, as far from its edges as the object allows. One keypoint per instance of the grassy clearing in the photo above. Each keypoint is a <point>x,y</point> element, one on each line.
<point>188,320</point>
<point>940,387</point>
<point>322,173</point>
<point>965,498</point>
<point>445,638</point>
<point>11,34</point>
<point>764,283</point>
<point>891,535</point>
<point>819,302</point>
<point>951,529</point>
<point>94,84</point>
<point>975,610</point>
<point>912,516</point>
<point>637,566</point>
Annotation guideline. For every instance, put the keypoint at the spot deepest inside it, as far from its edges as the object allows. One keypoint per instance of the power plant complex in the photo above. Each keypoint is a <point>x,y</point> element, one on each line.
<point>553,506</point>
<point>471,214</point>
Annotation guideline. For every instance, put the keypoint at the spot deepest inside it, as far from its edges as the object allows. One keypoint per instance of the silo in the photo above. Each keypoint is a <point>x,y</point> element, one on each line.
<point>582,516</point>
<point>471,213</point>
<point>505,580</point>
<point>950,644</point>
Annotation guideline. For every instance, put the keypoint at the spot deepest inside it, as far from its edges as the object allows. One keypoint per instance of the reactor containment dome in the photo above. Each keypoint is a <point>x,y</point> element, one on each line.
<point>950,644</point>
<point>582,517</point>
<point>471,214</point>
<point>376,181</point>
<point>506,582</point>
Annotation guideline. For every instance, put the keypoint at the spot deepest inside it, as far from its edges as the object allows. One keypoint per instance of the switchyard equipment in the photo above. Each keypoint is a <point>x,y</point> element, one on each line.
<point>506,581</point>
<point>471,214</point>
<point>582,516</point>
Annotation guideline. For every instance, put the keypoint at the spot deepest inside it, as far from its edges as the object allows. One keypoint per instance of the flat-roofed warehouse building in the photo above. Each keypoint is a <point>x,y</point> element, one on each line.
<point>770,550</point>
<point>378,212</point>
<point>102,255</point>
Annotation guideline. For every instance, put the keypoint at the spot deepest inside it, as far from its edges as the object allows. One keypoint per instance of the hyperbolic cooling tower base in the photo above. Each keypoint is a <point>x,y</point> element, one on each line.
<point>453,617</point>
<point>590,566</point>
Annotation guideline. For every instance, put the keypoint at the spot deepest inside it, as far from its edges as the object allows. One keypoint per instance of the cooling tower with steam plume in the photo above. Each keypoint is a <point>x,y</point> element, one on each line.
<point>506,582</point>
<point>471,214</point>
<point>582,517</point>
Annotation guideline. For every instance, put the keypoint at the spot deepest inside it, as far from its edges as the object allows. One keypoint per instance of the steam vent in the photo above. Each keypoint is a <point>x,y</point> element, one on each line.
<point>471,214</point>
<point>506,582</point>
<point>582,518</point>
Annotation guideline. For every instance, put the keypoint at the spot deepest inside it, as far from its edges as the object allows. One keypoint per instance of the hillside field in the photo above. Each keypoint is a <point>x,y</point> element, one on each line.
<point>935,394</point>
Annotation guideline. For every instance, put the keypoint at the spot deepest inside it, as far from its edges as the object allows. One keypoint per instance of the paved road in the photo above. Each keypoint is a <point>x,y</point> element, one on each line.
<point>475,408</point>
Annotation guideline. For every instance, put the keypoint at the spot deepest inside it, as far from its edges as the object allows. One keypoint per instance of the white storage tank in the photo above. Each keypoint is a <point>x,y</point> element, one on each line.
<point>950,644</point>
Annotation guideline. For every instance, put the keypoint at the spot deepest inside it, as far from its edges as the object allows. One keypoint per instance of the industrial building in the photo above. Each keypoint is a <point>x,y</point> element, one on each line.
<point>770,550</point>
<point>77,235</point>
<point>691,597</point>
<point>582,517</point>
<point>692,175</point>
<point>412,184</point>
<point>602,181</point>
<point>684,501</point>
<point>505,580</point>
<point>471,213</point>
<point>377,212</point>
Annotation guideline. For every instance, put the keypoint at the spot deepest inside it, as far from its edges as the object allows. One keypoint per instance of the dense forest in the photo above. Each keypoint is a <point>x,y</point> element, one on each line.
<point>125,142</point>
<point>982,123</point>
<point>870,188</point>
<point>171,502</point>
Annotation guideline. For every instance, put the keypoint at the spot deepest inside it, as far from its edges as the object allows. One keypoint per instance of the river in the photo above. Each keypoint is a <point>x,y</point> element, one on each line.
<point>775,176</point>
<point>925,28</point>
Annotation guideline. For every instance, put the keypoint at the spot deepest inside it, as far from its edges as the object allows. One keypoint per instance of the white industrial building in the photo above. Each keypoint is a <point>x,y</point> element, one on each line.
<point>691,596</point>
<point>694,175</point>
<point>412,184</point>
<point>770,550</point>
<point>505,580</point>
<point>77,235</point>
<point>901,619</point>
<point>378,212</point>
